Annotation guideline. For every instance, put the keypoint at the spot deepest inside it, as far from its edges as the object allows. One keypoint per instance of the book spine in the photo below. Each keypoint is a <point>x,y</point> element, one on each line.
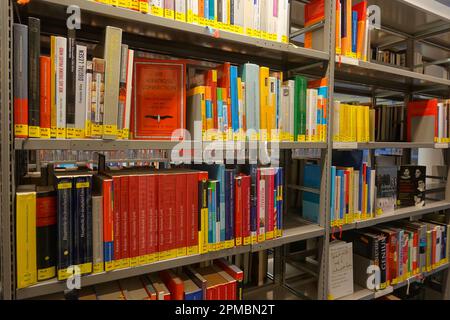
<point>98,97</point>
<point>46,235</point>
<point>181,214</point>
<point>82,219</point>
<point>270,204</point>
<point>64,220</point>
<point>109,242</point>
<point>125,221</point>
<point>112,56</point>
<point>167,216</point>
<point>80,92</point>
<point>142,218</point>
<point>152,219</point>
<point>20,35</point>
<point>218,233</point>
<point>211,221</point>
<point>238,211</point>
<point>246,204</point>
<point>203,216</point>
<point>61,86</point>
<point>122,90</point>
<point>192,214</point>
<point>117,232</point>
<point>26,239</point>
<point>34,50</point>
<point>70,84</point>
<point>88,101</point>
<point>45,96</point>
<point>126,129</point>
<point>134,219</point>
<point>261,206</point>
<point>97,235</point>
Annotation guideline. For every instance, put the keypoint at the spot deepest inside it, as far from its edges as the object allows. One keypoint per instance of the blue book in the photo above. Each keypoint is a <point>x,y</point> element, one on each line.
<point>209,110</point>
<point>220,219</point>
<point>341,174</point>
<point>229,203</point>
<point>191,290</point>
<point>354,31</point>
<point>333,193</point>
<point>206,9</point>
<point>211,226</point>
<point>310,200</point>
<point>369,207</point>
<point>211,10</point>
<point>234,99</point>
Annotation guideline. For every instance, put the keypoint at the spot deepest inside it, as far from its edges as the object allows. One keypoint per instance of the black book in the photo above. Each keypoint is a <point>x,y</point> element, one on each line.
<point>46,232</point>
<point>34,51</point>
<point>71,81</point>
<point>411,186</point>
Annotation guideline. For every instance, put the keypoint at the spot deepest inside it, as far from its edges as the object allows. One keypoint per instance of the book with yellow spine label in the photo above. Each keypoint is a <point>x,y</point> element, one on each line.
<point>366,124</point>
<point>360,129</point>
<point>353,128</point>
<point>196,112</point>
<point>271,106</point>
<point>26,236</point>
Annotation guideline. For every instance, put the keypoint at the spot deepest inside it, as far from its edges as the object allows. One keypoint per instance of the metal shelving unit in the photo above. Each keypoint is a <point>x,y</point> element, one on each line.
<point>413,20</point>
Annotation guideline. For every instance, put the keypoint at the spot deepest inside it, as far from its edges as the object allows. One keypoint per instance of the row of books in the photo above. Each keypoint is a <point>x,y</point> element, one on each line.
<point>426,121</point>
<point>90,223</point>
<point>390,57</point>
<point>362,192</point>
<point>266,19</point>
<point>399,250</point>
<point>119,95</point>
<point>352,28</point>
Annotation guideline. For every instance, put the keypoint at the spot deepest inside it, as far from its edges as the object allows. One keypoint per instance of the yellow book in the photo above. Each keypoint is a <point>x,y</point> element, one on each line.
<point>366,124</point>
<point>53,86</point>
<point>353,119</point>
<point>344,123</point>
<point>264,98</point>
<point>26,236</point>
<point>360,134</point>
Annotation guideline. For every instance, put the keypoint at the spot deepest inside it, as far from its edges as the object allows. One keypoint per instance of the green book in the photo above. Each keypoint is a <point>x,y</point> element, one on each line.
<point>300,107</point>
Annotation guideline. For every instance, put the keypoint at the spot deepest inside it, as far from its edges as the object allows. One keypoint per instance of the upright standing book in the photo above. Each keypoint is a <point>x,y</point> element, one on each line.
<point>34,50</point>
<point>20,42</point>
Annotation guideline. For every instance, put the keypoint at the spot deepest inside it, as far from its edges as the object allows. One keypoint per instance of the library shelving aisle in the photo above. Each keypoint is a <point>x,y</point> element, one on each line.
<point>298,261</point>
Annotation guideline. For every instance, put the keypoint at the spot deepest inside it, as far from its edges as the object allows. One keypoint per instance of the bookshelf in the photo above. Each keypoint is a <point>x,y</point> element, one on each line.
<point>346,75</point>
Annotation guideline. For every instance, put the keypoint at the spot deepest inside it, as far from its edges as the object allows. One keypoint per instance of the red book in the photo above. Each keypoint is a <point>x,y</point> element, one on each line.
<point>211,81</point>
<point>223,81</point>
<point>108,219</point>
<point>117,231</point>
<point>167,212</point>
<point>420,117</point>
<point>270,201</point>
<point>45,92</point>
<point>416,246</point>
<point>192,216</point>
<point>20,78</point>
<point>173,283</point>
<point>238,202</point>
<point>152,214</point>
<point>124,217</point>
<point>181,213</point>
<point>314,13</point>
<point>142,215</point>
<point>159,95</point>
<point>133,215</point>
<point>245,186</point>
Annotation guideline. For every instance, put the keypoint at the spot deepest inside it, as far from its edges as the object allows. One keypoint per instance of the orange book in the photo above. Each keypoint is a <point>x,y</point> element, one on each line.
<point>159,97</point>
<point>211,81</point>
<point>173,283</point>
<point>346,27</point>
<point>201,8</point>
<point>45,92</point>
<point>223,81</point>
<point>209,108</point>
<point>338,27</point>
<point>314,13</point>
<point>361,8</point>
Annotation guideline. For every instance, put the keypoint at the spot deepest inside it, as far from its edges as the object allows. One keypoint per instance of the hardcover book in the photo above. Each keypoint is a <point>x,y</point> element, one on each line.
<point>386,189</point>
<point>411,186</point>
<point>158,99</point>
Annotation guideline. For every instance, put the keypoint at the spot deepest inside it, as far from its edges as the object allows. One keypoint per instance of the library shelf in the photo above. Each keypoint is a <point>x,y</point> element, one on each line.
<point>170,36</point>
<point>388,145</point>
<point>361,293</point>
<point>295,229</point>
<point>110,145</point>
<point>54,286</point>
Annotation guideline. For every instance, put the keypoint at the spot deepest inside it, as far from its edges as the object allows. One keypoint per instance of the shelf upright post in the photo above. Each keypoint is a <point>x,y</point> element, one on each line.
<point>330,38</point>
<point>7,261</point>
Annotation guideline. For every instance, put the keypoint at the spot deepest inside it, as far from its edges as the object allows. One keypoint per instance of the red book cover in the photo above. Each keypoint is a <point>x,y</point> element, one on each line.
<point>124,217</point>
<point>45,92</point>
<point>416,249</point>
<point>173,283</point>
<point>152,214</point>
<point>159,97</point>
<point>425,108</point>
<point>181,212</point>
<point>245,186</point>
<point>223,81</point>
<point>192,210</point>
<point>117,234</point>
<point>210,293</point>
<point>314,13</point>
<point>167,212</point>
<point>270,210</point>
<point>108,218</point>
<point>238,201</point>
<point>142,215</point>
<point>133,214</point>
<point>211,81</point>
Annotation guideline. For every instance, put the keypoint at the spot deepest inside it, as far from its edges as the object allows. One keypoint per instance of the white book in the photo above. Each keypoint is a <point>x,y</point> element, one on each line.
<point>80,88</point>
<point>129,89</point>
<point>264,16</point>
<point>194,8</point>
<point>88,101</point>
<point>283,20</point>
<point>61,82</point>
<point>239,13</point>
<point>257,15</point>
<point>291,86</point>
<point>372,192</point>
<point>215,10</point>
<point>284,114</point>
<point>336,108</point>
<point>248,22</point>
<point>224,16</point>
<point>340,270</point>
<point>180,10</point>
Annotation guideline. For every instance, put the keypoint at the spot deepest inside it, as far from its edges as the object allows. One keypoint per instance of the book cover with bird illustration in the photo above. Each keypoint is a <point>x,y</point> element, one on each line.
<point>159,95</point>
